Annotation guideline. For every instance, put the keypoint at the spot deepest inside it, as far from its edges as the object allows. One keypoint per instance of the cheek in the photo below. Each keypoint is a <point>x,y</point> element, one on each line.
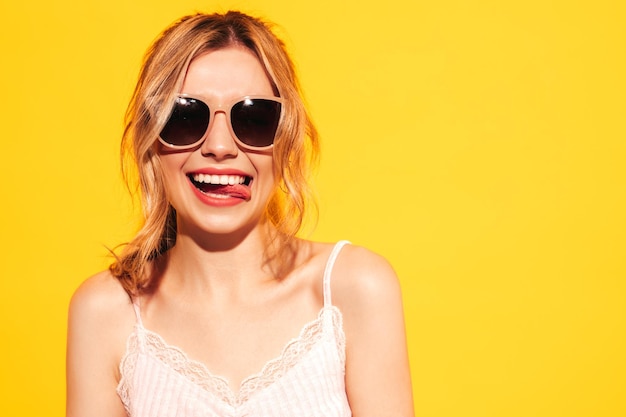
<point>171,169</point>
<point>263,164</point>
<point>266,170</point>
<point>172,162</point>
<point>168,166</point>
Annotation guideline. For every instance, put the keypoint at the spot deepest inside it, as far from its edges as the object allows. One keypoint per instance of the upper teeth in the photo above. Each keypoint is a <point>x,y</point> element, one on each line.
<point>219,179</point>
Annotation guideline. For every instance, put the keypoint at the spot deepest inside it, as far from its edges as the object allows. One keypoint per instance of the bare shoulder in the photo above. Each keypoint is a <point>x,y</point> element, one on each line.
<point>101,312</point>
<point>366,290</point>
<point>362,278</point>
<point>100,319</point>
<point>100,296</point>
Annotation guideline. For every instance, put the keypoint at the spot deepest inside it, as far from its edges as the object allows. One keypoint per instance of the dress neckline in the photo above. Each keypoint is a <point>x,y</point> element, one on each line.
<point>327,326</point>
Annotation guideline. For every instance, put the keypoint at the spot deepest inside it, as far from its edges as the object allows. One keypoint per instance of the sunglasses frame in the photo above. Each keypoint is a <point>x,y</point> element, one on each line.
<point>225,108</point>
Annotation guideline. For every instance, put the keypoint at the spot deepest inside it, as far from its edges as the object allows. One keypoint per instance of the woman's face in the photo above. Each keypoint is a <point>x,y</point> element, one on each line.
<point>194,178</point>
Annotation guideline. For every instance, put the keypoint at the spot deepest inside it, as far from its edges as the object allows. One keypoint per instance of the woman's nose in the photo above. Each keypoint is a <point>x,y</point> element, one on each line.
<point>219,142</point>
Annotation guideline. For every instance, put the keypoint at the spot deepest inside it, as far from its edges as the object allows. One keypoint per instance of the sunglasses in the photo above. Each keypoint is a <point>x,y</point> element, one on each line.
<point>253,121</point>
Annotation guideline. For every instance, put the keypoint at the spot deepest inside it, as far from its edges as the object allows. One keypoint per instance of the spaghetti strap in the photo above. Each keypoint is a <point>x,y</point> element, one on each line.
<point>137,308</point>
<point>328,270</point>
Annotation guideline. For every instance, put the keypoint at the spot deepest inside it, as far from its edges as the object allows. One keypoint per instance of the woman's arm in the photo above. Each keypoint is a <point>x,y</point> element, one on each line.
<point>378,380</point>
<point>100,318</point>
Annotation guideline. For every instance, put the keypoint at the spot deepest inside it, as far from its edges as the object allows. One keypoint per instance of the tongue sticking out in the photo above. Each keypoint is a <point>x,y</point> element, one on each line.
<point>234,191</point>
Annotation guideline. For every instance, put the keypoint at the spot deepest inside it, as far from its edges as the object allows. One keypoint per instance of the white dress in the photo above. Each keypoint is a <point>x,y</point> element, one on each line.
<point>306,380</point>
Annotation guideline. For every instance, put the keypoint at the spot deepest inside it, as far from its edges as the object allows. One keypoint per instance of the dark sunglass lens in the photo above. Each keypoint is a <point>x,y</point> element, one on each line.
<point>187,123</point>
<point>255,121</point>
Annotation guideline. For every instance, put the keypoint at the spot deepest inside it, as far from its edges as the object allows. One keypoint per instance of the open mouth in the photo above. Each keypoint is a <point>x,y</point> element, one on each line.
<point>222,186</point>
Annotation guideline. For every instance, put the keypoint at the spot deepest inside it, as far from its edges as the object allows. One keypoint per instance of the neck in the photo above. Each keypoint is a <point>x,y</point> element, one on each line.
<point>225,266</point>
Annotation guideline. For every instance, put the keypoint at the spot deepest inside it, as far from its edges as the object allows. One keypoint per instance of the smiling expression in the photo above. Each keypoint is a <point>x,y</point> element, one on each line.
<point>219,187</point>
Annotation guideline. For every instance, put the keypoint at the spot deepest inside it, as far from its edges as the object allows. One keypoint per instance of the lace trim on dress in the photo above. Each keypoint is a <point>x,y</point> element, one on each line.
<point>199,374</point>
<point>127,368</point>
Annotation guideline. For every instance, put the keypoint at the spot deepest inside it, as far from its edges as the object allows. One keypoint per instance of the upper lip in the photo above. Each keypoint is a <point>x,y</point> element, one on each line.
<point>219,171</point>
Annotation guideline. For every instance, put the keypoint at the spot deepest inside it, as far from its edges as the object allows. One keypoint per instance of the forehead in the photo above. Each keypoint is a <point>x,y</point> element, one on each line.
<point>227,72</point>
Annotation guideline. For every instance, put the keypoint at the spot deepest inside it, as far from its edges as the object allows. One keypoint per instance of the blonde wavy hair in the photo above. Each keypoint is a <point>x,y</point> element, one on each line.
<point>162,74</point>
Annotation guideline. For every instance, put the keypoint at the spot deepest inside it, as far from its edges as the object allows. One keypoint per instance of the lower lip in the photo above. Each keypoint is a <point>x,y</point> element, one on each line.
<point>222,201</point>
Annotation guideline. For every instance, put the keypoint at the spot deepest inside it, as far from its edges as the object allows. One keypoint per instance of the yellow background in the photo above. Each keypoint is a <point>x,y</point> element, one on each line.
<point>478,144</point>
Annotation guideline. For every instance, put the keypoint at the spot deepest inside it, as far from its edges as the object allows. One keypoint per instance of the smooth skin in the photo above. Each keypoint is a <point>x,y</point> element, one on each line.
<point>216,269</point>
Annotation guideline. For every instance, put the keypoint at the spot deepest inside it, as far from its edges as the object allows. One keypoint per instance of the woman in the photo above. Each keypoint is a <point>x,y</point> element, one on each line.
<point>216,308</point>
